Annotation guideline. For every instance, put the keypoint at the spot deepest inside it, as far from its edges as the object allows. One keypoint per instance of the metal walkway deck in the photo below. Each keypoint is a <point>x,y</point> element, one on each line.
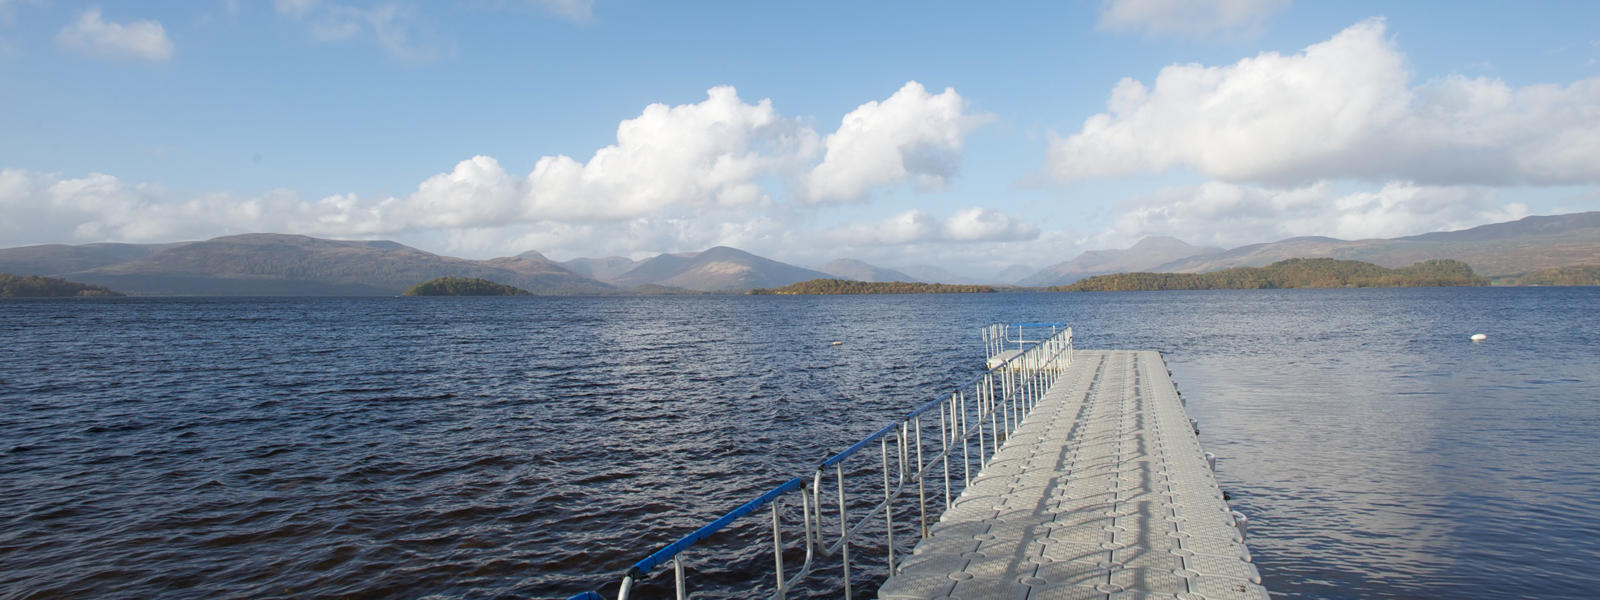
<point>1101,492</point>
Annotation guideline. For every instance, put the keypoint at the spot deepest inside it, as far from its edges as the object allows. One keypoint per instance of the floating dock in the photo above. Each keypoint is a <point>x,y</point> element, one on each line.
<point>1102,491</point>
<point>1056,474</point>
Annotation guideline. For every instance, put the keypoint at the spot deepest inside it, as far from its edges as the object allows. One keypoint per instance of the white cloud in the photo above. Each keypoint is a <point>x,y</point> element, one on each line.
<point>677,177</point>
<point>1228,215</point>
<point>710,154</point>
<point>913,135</point>
<point>1340,109</point>
<point>393,26</point>
<point>93,36</point>
<point>1188,18</point>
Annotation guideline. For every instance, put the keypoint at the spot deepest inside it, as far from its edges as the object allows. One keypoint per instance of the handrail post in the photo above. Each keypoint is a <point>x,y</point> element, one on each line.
<point>966,456</point>
<point>844,529</point>
<point>777,546</point>
<point>888,506</point>
<point>677,575</point>
<point>922,488</point>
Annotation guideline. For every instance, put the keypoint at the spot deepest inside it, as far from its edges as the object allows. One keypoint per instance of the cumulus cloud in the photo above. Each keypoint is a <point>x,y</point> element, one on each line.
<point>1344,108</point>
<point>1188,18</point>
<point>393,26</point>
<point>1227,214</point>
<point>677,175</point>
<point>713,153</point>
<point>37,208</point>
<point>95,37</point>
<point>913,135</point>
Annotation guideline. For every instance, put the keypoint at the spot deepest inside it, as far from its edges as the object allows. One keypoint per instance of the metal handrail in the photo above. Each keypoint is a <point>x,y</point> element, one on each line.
<point>987,407</point>
<point>997,336</point>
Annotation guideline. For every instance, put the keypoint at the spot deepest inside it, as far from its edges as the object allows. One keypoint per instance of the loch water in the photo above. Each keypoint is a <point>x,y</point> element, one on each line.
<point>534,447</point>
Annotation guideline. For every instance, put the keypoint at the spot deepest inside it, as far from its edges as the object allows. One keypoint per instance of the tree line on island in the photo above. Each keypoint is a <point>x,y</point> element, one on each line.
<point>34,286</point>
<point>464,286</point>
<point>1290,274</point>
<point>1575,275</point>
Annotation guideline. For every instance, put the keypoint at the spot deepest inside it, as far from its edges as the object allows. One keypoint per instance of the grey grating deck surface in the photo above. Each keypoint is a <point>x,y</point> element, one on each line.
<point>1103,492</point>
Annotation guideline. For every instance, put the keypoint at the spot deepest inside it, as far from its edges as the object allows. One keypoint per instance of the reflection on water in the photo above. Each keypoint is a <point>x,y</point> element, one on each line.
<point>1380,448</point>
<point>532,447</point>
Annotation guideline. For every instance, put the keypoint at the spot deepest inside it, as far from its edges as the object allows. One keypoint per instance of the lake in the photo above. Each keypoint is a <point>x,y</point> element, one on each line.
<point>534,447</point>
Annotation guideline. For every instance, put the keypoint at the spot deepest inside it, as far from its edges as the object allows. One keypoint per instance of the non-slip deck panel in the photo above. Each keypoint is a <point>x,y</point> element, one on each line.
<point>1102,492</point>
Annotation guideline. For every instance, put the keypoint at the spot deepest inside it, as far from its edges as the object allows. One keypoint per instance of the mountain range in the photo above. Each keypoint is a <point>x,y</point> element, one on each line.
<point>1149,254</point>
<point>1493,250</point>
<point>265,264</point>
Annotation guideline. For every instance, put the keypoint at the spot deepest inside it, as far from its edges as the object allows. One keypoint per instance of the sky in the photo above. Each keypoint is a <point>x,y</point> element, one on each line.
<point>971,136</point>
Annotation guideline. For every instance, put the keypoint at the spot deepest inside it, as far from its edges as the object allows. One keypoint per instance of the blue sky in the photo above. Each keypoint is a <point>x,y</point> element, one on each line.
<point>957,134</point>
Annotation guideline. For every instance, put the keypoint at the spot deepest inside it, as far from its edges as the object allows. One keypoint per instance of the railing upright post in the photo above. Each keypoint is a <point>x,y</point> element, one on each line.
<point>888,505</point>
<point>777,546</point>
<point>946,437</point>
<point>922,483</point>
<point>994,427</point>
<point>982,462</point>
<point>966,455</point>
<point>844,529</point>
<point>677,576</point>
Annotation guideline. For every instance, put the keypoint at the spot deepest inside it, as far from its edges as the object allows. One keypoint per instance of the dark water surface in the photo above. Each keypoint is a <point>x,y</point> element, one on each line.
<point>533,447</point>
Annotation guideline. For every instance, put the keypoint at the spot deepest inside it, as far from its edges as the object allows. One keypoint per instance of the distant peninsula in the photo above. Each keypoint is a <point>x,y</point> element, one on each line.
<point>34,286</point>
<point>463,286</point>
<point>1558,276</point>
<point>1290,274</point>
<point>830,287</point>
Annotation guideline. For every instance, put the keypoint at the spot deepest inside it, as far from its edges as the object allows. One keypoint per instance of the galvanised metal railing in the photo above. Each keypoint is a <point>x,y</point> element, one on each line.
<point>947,440</point>
<point>998,337</point>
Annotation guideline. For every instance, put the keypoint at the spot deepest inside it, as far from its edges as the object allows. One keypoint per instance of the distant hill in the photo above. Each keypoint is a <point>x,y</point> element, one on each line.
<point>294,265</point>
<point>1015,273</point>
<point>1289,274</point>
<point>717,269</point>
<point>34,286</point>
<point>849,268</point>
<point>1494,250</point>
<point>604,269</point>
<point>1149,254</point>
<point>56,259</point>
<point>463,286</point>
<point>932,274</point>
<point>834,287</point>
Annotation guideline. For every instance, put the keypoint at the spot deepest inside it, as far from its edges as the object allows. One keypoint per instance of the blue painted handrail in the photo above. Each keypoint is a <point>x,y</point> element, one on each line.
<point>643,567</point>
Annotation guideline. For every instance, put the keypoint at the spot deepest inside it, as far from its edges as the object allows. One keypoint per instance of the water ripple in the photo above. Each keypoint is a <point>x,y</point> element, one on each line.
<point>533,447</point>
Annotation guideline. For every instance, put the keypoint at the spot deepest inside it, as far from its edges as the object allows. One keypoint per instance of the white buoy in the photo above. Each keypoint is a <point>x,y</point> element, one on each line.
<point>1478,337</point>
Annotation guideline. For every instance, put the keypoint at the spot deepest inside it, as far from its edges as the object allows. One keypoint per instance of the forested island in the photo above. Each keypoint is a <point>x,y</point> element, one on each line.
<point>463,286</point>
<point>1574,275</point>
<point>1289,274</point>
<point>829,287</point>
<point>34,286</point>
